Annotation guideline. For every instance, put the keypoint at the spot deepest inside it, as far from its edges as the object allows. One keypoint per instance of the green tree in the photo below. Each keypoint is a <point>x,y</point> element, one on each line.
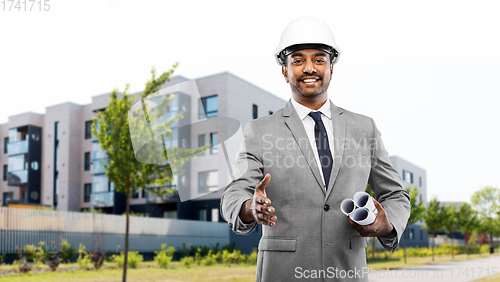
<point>417,211</point>
<point>467,221</point>
<point>487,202</point>
<point>433,219</point>
<point>111,127</point>
<point>450,222</point>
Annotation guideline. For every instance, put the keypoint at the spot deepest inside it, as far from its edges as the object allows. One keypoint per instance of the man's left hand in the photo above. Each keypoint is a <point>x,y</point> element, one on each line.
<point>381,227</point>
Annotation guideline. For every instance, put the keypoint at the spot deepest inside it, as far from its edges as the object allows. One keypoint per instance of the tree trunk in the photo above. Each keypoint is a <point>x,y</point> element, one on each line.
<point>404,245</point>
<point>491,242</point>
<point>452,254</point>
<point>432,246</point>
<point>373,247</point>
<point>125,261</point>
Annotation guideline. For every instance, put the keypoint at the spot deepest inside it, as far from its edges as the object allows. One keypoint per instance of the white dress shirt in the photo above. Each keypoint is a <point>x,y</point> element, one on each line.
<point>309,124</point>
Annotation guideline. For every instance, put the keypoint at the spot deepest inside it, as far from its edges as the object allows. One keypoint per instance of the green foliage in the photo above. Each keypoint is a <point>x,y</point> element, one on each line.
<point>209,259</point>
<point>2,257</point>
<point>187,261</point>
<point>486,201</point>
<point>134,259</point>
<point>164,256</point>
<point>67,251</point>
<point>83,259</point>
<point>234,257</point>
<point>136,214</point>
<point>96,211</point>
<point>417,211</point>
<point>29,252</point>
<point>252,258</point>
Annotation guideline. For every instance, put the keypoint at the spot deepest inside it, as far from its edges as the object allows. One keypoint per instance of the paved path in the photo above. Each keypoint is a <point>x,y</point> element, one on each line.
<point>456,271</point>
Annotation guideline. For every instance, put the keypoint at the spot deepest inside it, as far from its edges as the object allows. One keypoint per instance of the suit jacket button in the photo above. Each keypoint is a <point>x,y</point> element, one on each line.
<point>327,207</point>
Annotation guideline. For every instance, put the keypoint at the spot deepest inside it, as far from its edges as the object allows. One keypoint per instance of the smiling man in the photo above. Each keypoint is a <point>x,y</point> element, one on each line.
<point>331,154</point>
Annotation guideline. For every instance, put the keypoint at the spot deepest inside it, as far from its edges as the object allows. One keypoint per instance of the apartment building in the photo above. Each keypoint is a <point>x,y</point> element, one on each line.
<point>52,159</point>
<point>413,176</point>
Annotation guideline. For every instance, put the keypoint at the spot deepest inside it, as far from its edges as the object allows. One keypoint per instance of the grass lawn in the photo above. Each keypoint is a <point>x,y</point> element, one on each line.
<point>177,272</point>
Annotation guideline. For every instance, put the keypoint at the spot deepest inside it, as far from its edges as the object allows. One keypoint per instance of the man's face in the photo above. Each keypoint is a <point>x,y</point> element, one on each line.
<point>309,72</point>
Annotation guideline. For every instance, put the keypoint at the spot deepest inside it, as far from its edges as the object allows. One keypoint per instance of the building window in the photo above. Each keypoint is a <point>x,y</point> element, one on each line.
<point>214,140</point>
<point>271,112</point>
<point>419,181</point>
<point>7,196</point>
<point>408,176</point>
<point>412,235</point>
<point>144,194</point>
<point>255,111</point>
<point>210,105</point>
<point>202,215</point>
<point>87,190</point>
<point>215,214</point>
<point>136,195</point>
<point>207,181</point>
<point>5,145</point>
<point>420,198</point>
<point>5,172</point>
<point>201,142</point>
<point>86,165</point>
<point>88,129</point>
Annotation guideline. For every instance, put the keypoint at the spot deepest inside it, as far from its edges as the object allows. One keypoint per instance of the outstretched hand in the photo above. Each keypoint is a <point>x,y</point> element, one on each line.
<point>258,208</point>
<point>381,227</point>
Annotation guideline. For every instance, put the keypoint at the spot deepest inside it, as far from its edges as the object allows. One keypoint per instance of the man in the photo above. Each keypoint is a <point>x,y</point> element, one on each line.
<point>296,166</point>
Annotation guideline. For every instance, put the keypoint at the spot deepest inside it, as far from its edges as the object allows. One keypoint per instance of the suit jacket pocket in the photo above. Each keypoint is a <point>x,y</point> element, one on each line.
<point>357,242</point>
<point>278,244</point>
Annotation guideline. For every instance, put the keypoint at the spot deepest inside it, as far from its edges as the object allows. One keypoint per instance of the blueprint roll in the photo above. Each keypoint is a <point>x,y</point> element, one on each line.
<point>363,216</point>
<point>347,206</point>
<point>364,200</point>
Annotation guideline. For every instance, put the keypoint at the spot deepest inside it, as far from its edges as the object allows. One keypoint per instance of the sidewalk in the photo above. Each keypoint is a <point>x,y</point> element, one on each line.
<point>456,271</point>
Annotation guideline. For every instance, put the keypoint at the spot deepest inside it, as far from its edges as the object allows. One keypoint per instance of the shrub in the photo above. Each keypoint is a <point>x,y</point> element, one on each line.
<point>30,252</point>
<point>187,261</point>
<point>232,257</point>
<point>2,257</point>
<point>68,252</point>
<point>83,259</point>
<point>163,257</point>
<point>252,258</point>
<point>134,259</point>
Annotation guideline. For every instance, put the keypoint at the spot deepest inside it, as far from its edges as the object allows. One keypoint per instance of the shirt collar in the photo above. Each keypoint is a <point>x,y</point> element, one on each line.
<point>304,111</point>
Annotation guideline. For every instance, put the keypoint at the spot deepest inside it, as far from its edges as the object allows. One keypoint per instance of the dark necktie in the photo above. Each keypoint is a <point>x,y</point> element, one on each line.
<point>325,156</point>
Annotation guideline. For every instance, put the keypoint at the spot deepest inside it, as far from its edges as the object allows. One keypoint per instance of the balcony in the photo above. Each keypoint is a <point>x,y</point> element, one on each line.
<point>18,177</point>
<point>98,166</point>
<point>102,199</point>
<point>152,198</point>
<point>16,148</point>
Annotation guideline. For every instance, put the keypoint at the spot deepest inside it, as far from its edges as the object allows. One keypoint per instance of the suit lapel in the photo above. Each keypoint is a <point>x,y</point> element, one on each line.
<point>339,131</point>
<point>295,125</point>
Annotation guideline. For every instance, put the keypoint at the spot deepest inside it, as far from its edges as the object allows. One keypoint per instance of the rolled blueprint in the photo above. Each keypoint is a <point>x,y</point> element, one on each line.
<point>363,216</point>
<point>347,206</point>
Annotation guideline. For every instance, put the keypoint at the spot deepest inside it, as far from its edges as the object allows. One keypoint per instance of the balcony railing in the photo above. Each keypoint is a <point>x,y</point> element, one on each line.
<point>102,199</point>
<point>18,177</point>
<point>18,147</point>
<point>98,166</point>
<point>152,198</point>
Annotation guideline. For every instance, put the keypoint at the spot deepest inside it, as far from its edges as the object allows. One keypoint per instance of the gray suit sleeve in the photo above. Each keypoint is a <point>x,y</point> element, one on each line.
<point>385,182</point>
<point>247,173</point>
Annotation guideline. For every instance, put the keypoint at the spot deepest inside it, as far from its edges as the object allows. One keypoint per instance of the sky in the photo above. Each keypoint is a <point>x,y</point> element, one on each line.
<point>428,72</point>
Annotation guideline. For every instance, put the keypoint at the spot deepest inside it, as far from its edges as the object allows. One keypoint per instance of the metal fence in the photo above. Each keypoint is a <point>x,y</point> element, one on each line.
<point>20,227</point>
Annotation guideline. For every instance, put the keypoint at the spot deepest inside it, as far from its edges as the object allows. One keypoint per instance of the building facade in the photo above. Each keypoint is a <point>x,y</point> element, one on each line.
<point>413,176</point>
<point>52,159</point>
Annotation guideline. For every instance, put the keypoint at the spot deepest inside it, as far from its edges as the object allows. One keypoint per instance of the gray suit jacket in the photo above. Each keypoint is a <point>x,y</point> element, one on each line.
<point>312,237</point>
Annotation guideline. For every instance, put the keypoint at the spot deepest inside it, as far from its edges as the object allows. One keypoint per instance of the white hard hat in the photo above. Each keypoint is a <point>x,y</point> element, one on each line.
<point>306,33</point>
